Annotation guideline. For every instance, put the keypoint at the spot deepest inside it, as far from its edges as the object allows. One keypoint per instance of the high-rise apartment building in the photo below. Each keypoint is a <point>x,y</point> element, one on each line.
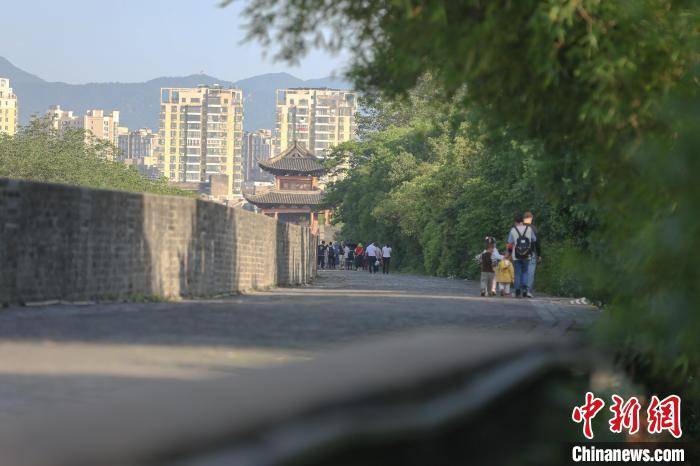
<point>257,146</point>
<point>122,131</point>
<point>63,120</point>
<point>95,122</point>
<point>101,125</point>
<point>8,108</point>
<point>201,134</point>
<point>141,144</point>
<point>317,119</point>
<point>140,150</point>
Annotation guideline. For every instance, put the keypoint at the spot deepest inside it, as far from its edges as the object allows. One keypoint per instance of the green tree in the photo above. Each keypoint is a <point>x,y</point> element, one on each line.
<point>436,180</point>
<point>38,153</point>
<point>594,81</point>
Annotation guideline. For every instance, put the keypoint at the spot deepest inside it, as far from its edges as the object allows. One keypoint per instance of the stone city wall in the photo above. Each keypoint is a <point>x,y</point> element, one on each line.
<point>71,243</point>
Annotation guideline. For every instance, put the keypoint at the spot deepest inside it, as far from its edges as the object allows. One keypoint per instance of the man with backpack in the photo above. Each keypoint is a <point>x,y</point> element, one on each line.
<point>521,239</point>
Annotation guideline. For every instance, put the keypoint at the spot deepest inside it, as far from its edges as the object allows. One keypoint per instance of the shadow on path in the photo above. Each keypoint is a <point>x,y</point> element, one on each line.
<point>341,307</point>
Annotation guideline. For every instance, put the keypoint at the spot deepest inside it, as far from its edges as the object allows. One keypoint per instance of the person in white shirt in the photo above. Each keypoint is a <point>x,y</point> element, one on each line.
<point>386,258</point>
<point>346,257</point>
<point>372,258</point>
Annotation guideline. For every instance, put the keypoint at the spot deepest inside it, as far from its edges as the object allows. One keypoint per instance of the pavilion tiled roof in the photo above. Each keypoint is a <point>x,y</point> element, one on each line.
<point>296,160</point>
<point>279,197</point>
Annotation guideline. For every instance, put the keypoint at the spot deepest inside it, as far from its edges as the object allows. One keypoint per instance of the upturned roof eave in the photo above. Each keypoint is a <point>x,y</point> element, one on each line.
<point>279,171</point>
<point>280,164</point>
<point>267,199</point>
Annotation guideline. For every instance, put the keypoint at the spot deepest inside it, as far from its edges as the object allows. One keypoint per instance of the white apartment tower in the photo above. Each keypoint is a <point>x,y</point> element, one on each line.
<point>316,119</point>
<point>201,134</point>
<point>101,125</point>
<point>98,125</point>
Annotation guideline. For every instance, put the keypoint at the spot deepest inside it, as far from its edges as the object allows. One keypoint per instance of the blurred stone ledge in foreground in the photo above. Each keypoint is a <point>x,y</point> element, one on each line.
<point>450,396</point>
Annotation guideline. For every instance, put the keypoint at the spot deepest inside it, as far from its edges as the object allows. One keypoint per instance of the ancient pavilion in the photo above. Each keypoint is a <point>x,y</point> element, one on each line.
<point>296,196</point>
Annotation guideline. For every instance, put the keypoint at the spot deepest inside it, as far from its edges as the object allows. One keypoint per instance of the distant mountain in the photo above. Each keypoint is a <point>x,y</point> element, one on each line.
<point>138,103</point>
<point>9,70</point>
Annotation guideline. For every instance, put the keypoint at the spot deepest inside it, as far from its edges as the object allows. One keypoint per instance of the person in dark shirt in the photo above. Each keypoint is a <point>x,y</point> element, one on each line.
<point>349,256</point>
<point>321,255</point>
<point>487,260</point>
<point>331,255</point>
<point>490,246</point>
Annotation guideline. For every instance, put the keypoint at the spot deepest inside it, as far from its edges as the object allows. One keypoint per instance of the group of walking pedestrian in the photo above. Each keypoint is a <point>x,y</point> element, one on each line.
<point>516,266</point>
<point>354,256</point>
<point>329,255</point>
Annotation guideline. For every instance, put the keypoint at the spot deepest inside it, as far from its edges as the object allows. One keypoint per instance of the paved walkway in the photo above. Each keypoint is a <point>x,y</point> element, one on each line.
<point>69,354</point>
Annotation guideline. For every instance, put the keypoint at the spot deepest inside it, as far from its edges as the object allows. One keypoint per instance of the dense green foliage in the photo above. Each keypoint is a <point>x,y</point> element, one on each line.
<point>605,89</point>
<point>433,181</point>
<point>37,153</point>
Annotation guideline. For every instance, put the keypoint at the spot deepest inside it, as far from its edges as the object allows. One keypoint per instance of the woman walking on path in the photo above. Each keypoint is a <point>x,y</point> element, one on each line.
<point>536,255</point>
<point>359,253</point>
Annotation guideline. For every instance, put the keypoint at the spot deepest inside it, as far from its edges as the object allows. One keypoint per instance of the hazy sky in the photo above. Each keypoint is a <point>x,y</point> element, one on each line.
<point>80,41</point>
